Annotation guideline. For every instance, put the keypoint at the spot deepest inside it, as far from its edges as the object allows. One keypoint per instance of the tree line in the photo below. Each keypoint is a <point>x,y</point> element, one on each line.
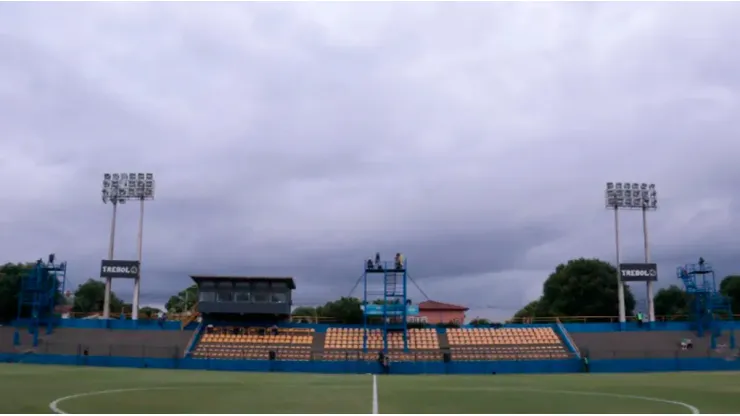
<point>580,287</point>
<point>87,297</point>
<point>588,287</point>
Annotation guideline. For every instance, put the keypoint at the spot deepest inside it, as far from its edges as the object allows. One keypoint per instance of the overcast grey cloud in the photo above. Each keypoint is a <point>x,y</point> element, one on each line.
<point>300,139</point>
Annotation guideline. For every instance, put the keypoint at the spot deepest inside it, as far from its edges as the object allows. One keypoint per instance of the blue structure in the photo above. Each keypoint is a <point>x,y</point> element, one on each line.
<point>707,304</point>
<point>385,282</point>
<point>37,299</point>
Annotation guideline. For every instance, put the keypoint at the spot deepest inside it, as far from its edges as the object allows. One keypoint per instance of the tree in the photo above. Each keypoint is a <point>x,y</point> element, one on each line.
<point>90,297</point>
<point>531,310</point>
<point>730,287</point>
<point>480,322</point>
<point>306,313</point>
<point>671,301</point>
<point>184,301</point>
<point>149,312</point>
<point>10,284</point>
<point>345,310</point>
<point>581,287</point>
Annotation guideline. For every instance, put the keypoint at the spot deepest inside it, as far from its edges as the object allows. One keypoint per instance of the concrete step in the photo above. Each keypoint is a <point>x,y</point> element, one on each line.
<point>444,342</point>
<point>318,341</point>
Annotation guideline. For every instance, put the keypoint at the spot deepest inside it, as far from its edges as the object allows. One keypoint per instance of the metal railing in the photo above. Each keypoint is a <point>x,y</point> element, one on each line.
<point>602,319</point>
<point>568,338</point>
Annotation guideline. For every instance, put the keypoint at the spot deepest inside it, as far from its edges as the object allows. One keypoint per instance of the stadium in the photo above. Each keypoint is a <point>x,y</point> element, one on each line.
<point>264,360</point>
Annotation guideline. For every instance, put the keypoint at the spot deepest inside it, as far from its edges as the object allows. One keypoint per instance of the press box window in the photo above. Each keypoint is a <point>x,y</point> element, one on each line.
<point>225,292</point>
<point>207,292</point>
<point>242,292</point>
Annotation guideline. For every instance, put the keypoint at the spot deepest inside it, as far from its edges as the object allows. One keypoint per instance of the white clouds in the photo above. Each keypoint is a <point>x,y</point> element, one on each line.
<point>280,132</point>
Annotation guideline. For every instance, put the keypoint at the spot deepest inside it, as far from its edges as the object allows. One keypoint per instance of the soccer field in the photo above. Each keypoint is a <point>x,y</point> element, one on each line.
<point>66,389</point>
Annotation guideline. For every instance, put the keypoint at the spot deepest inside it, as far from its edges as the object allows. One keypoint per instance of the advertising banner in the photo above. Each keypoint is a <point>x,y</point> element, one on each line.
<point>638,272</point>
<point>119,268</point>
<point>391,310</point>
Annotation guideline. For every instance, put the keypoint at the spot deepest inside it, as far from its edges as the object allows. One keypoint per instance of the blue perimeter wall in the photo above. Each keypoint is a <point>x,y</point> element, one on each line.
<point>361,367</point>
<point>489,367</point>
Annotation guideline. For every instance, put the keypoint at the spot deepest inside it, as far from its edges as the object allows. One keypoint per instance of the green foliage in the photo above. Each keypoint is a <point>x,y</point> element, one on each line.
<point>345,310</point>
<point>531,310</point>
<point>90,297</point>
<point>730,287</point>
<point>480,322</point>
<point>671,301</point>
<point>581,287</point>
<point>183,301</point>
<point>448,325</point>
<point>149,312</point>
<point>10,284</point>
<point>304,311</point>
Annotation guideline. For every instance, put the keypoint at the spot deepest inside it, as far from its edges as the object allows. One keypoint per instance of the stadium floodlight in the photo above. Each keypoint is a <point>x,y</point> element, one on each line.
<point>632,196</point>
<point>117,189</point>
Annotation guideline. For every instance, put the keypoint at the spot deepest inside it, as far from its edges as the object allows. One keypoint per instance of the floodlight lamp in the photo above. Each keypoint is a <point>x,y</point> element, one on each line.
<point>643,186</point>
<point>618,185</point>
<point>106,184</point>
<point>124,177</point>
<point>150,176</point>
<point>149,184</point>
<point>635,186</point>
<point>122,192</point>
<point>116,176</point>
<point>149,193</point>
<point>122,201</point>
<point>609,185</point>
<point>652,186</point>
<point>611,202</point>
<point>141,177</point>
<point>106,176</point>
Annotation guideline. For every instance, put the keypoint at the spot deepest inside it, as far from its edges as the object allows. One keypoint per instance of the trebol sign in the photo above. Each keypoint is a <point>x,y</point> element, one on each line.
<point>638,272</point>
<point>119,268</point>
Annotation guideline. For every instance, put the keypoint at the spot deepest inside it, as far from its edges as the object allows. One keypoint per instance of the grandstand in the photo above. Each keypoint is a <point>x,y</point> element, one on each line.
<point>255,343</point>
<point>244,323</point>
<point>480,344</point>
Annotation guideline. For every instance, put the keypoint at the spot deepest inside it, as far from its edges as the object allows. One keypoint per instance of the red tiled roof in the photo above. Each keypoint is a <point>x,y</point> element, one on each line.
<point>433,305</point>
<point>63,308</point>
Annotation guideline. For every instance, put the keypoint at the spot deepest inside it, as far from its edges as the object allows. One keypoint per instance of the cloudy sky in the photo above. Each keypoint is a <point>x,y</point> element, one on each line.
<point>299,139</point>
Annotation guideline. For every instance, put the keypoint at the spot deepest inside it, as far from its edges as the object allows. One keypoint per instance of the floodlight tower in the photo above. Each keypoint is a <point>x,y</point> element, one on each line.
<point>117,189</point>
<point>632,196</point>
<point>114,192</point>
<point>143,190</point>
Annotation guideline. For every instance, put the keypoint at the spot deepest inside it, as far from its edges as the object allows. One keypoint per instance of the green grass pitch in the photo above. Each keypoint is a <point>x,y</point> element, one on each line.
<point>32,388</point>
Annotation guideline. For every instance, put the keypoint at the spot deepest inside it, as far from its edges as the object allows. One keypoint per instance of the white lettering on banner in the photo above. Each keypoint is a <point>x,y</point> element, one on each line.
<point>120,269</point>
<point>639,273</point>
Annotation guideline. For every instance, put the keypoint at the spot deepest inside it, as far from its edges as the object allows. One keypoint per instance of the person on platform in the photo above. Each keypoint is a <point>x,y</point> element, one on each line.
<point>377,261</point>
<point>369,264</point>
<point>640,318</point>
<point>399,261</point>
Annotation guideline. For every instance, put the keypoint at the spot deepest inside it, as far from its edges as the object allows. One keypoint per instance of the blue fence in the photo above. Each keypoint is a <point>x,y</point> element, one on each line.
<point>363,367</point>
<point>342,367</point>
